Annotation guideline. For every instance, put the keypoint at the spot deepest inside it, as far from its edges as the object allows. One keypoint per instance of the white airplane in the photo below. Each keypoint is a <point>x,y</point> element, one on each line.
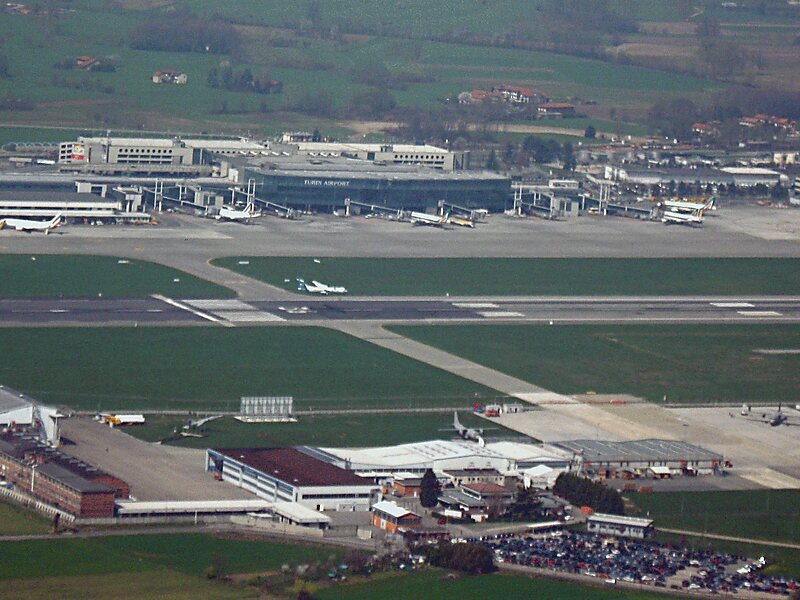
<point>197,424</point>
<point>671,217</point>
<point>231,214</point>
<point>29,225</point>
<point>316,287</point>
<point>690,207</point>
<point>418,218</point>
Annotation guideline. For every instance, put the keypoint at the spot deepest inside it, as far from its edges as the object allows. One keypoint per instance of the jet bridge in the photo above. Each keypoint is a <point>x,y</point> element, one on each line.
<point>375,209</point>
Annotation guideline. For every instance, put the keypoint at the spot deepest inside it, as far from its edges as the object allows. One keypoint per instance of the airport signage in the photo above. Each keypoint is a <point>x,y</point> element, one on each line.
<point>327,182</point>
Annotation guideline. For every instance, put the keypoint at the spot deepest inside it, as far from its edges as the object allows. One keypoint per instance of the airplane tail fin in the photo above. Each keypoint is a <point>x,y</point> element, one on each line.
<point>456,423</point>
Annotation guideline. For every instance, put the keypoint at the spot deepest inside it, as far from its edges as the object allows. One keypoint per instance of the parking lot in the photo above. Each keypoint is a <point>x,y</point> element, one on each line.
<point>622,560</point>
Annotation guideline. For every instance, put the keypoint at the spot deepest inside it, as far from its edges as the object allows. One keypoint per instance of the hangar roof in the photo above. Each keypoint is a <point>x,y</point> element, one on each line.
<point>292,466</point>
<point>649,450</point>
<point>10,400</point>
<point>409,455</point>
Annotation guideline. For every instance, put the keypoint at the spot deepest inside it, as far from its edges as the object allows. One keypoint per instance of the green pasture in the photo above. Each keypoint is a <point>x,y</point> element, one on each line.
<point>322,430</point>
<point>531,276</point>
<point>33,44</point>
<point>772,515</point>
<point>38,275</point>
<point>161,584</point>
<point>684,363</point>
<point>211,368</point>
<point>432,584</point>
<point>16,521</point>
<point>187,553</point>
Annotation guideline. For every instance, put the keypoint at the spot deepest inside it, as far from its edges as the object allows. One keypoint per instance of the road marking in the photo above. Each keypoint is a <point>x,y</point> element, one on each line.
<point>154,310</point>
<point>500,314</point>
<point>58,310</point>
<point>776,351</point>
<point>475,305</point>
<point>185,307</point>
<point>732,304</point>
<point>248,316</point>
<point>220,305</point>
<point>759,313</point>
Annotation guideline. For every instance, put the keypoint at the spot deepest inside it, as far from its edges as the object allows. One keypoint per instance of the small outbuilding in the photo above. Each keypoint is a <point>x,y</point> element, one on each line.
<point>620,526</point>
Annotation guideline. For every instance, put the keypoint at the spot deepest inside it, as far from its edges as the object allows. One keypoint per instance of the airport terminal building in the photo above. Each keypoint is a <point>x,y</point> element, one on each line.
<point>324,185</point>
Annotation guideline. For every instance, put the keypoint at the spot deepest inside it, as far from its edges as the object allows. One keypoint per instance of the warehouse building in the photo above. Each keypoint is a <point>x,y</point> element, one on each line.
<point>439,455</point>
<point>393,518</point>
<point>288,475</point>
<point>59,480</point>
<point>610,460</point>
<point>619,526</point>
<point>739,176</point>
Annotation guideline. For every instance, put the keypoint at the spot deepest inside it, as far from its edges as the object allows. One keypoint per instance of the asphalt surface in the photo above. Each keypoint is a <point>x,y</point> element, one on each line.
<point>164,311</point>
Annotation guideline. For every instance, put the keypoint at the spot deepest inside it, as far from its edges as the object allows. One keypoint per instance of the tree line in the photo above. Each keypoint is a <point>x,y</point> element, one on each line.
<point>226,78</point>
<point>581,491</point>
<point>186,33</point>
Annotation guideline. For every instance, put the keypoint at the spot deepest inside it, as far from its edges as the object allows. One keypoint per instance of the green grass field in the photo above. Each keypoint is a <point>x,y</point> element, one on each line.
<point>25,275</point>
<point>432,585</point>
<point>187,553</point>
<point>211,368</point>
<point>685,363</point>
<point>16,521</point>
<point>161,584</point>
<point>531,276</point>
<point>772,515</point>
<point>333,430</point>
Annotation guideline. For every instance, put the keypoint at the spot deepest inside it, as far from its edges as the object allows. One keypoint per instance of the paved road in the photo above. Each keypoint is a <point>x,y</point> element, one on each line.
<point>163,311</point>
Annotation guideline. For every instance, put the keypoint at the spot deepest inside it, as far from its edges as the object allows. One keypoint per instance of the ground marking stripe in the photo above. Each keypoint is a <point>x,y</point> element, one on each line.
<point>188,308</point>
<point>759,313</point>
<point>732,304</point>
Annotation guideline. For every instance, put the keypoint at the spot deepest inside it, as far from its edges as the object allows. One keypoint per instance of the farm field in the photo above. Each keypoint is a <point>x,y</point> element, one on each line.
<point>532,277</point>
<point>305,64</point>
<point>26,275</point>
<point>323,430</point>
<point>431,584</point>
<point>16,521</point>
<point>211,368</point>
<point>772,515</point>
<point>682,363</point>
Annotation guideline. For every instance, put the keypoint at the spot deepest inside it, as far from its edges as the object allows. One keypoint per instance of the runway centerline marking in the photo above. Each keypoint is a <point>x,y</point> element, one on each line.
<point>759,313</point>
<point>500,314</point>
<point>732,304</point>
<point>475,305</point>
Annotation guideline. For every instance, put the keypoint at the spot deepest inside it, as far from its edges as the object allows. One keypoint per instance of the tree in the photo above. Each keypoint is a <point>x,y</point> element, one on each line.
<point>527,505</point>
<point>568,156</point>
<point>590,132</point>
<point>429,490</point>
<point>475,559</point>
<point>491,162</point>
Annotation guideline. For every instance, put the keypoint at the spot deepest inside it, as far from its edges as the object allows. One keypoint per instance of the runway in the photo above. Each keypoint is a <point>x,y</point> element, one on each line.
<point>165,311</point>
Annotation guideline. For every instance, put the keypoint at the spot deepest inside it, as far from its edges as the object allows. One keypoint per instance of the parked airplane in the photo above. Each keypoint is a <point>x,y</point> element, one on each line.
<point>197,424</point>
<point>671,217</point>
<point>30,225</point>
<point>777,418</point>
<point>690,207</point>
<point>467,433</point>
<point>231,214</point>
<point>419,218</point>
<point>316,287</point>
